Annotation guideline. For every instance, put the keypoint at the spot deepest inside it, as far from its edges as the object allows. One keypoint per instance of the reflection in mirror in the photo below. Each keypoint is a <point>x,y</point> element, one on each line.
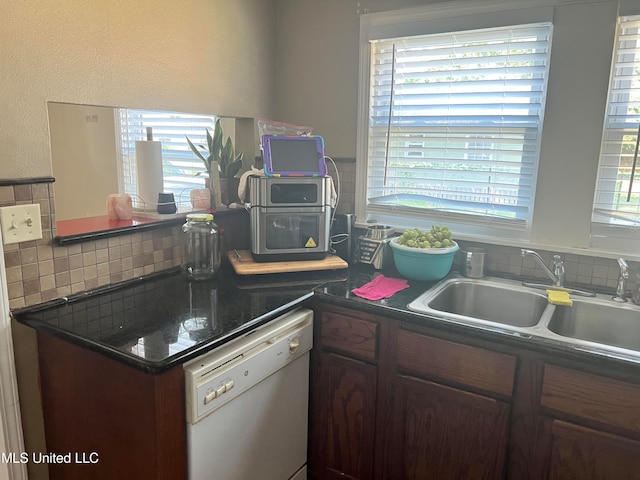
<point>94,155</point>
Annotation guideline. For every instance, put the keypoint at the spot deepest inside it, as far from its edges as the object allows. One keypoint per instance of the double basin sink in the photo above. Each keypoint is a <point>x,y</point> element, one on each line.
<point>593,323</point>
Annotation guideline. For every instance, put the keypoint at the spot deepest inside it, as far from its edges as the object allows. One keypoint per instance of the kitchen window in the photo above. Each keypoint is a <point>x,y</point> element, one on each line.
<point>616,210</point>
<point>181,168</point>
<point>452,118</point>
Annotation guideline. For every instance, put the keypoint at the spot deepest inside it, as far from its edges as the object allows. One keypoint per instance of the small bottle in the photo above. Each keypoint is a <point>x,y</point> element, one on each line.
<point>200,247</point>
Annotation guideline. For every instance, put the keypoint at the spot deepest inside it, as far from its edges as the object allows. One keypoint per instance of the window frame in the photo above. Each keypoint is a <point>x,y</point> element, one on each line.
<point>612,234</point>
<point>433,19</point>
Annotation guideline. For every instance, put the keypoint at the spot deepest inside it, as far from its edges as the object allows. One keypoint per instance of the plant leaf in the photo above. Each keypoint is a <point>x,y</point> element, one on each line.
<point>209,141</point>
<point>229,164</point>
<point>216,142</point>
<point>195,150</point>
<point>233,168</point>
<point>227,157</point>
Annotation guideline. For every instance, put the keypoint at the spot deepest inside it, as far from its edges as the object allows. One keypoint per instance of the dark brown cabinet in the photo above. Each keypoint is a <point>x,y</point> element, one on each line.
<point>345,418</point>
<point>590,427</point>
<point>114,421</point>
<point>576,452</point>
<point>393,400</point>
<point>343,396</point>
<point>394,404</point>
<point>445,433</point>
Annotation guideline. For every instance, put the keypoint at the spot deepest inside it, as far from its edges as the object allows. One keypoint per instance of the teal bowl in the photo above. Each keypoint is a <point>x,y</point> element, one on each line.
<point>423,263</point>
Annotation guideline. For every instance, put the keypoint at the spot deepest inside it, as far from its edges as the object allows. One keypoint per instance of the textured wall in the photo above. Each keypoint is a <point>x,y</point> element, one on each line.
<point>198,56</point>
<point>318,57</point>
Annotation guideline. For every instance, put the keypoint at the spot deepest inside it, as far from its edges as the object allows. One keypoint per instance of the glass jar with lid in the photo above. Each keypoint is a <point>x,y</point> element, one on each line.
<point>200,247</point>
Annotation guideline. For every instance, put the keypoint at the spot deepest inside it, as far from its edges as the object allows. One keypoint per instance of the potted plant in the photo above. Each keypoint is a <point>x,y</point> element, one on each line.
<point>221,162</point>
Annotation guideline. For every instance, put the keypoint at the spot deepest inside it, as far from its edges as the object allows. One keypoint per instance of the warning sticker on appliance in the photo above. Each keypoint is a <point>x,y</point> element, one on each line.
<point>311,243</point>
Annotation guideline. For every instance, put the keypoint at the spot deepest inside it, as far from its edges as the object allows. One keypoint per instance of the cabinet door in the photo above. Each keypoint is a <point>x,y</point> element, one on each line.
<point>438,432</point>
<point>343,419</point>
<point>581,453</point>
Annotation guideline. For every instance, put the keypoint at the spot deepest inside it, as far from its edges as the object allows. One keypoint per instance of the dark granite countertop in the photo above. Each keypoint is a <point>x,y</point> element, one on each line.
<point>162,320</point>
<point>157,322</point>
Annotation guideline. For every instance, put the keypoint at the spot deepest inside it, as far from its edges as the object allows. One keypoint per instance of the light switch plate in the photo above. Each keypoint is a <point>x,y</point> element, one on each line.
<point>20,223</point>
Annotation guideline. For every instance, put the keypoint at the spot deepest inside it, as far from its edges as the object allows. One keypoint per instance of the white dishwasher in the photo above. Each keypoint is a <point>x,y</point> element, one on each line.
<point>247,404</point>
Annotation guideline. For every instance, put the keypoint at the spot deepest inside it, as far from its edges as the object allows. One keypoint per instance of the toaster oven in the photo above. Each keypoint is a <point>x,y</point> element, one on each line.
<point>289,217</point>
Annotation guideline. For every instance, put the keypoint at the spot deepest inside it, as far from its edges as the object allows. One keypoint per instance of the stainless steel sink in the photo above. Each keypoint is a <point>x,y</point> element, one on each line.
<point>595,324</point>
<point>600,321</point>
<point>492,300</point>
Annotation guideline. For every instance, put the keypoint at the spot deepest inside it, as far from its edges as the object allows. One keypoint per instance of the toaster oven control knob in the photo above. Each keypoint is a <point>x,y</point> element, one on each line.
<point>294,343</point>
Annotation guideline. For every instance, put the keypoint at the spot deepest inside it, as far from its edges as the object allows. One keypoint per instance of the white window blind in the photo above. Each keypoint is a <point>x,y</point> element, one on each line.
<point>180,166</point>
<point>455,123</point>
<point>617,196</point>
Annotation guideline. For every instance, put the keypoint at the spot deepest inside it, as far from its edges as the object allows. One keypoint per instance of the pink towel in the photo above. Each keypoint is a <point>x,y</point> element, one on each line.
<point>381,287</point>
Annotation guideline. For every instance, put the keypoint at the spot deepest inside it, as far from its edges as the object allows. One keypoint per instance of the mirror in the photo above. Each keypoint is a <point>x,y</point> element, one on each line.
<point>93,151</point>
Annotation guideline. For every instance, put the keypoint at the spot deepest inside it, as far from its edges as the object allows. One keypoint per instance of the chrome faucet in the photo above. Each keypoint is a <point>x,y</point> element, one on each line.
<point>557,276</point>
<point>621,290</point>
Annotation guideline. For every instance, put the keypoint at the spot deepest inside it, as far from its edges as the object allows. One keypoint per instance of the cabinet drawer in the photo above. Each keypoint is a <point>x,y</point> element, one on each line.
<point>591,397</point>
<point>462,364</point>
<point>351,335</point>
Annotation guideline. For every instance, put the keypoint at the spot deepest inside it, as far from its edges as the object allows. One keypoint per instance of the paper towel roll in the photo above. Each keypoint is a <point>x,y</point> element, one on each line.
<point>149,167</point>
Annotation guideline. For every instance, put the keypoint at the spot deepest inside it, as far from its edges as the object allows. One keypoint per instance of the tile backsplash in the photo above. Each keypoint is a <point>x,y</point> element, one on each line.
<point>580,270</point>
<point>39,270</point>
<point>345,184</point>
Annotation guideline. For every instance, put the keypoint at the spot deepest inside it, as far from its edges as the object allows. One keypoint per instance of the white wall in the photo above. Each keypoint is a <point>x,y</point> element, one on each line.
<point>200,56</point>
<point>317,64</point>
<point>579,77</point>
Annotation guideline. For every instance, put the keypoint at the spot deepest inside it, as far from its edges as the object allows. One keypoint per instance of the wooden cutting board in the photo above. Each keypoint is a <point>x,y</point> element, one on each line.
<point>244,264</point>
